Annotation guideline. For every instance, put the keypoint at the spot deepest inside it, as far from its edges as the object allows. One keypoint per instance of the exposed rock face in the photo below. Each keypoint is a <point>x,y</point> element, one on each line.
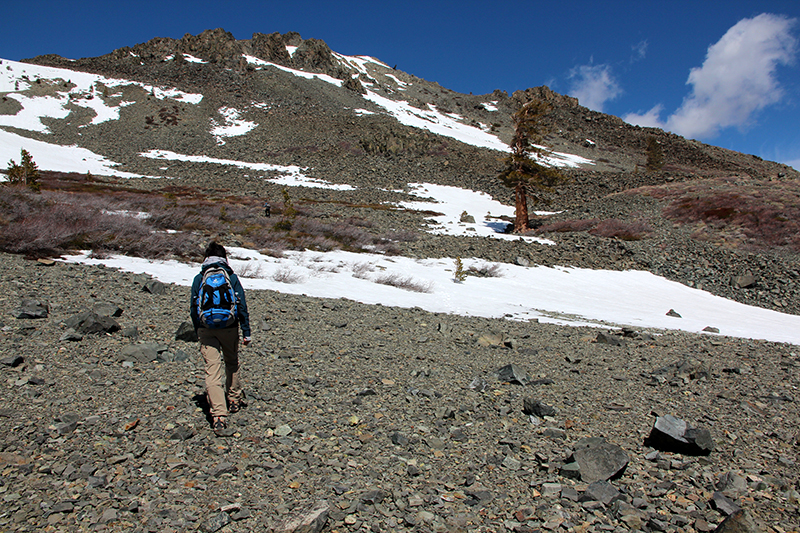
<point>271,47</point>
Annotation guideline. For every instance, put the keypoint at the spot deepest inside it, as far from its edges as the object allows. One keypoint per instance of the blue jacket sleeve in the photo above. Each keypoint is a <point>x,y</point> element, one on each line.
<point>241,309</point>
<point>193,302</point>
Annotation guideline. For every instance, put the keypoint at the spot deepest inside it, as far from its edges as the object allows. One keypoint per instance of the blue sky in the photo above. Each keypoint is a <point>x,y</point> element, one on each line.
<point>724,72</point>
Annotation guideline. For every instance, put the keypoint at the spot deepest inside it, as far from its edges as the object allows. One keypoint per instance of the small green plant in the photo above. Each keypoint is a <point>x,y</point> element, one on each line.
<point>460,274</point>
<point>171,198</point>
<point>26,173</point>
<point>223,213</point>
<point>283,225</point>
<point>289,210</point>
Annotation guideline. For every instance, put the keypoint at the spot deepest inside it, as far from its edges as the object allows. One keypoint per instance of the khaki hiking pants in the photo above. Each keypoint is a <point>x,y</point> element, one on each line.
<point>218,347</point>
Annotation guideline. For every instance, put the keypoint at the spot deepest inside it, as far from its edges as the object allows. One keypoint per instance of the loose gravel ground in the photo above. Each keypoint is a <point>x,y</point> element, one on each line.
<point>394,417</point>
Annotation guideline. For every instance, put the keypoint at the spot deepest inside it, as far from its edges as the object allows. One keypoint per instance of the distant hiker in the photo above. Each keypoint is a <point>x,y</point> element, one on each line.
<point>218,309</point>
<point>266,209</point>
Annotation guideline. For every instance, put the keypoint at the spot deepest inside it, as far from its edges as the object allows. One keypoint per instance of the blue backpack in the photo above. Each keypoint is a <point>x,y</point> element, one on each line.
<point>216,302</point>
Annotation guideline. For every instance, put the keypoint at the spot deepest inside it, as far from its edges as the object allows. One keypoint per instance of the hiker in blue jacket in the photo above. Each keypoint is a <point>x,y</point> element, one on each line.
<point>218,310</point>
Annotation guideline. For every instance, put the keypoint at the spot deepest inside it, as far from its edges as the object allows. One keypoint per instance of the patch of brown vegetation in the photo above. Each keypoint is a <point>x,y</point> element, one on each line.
<point>740,212</point>
<point>80,211</point>
<point>611,228</point>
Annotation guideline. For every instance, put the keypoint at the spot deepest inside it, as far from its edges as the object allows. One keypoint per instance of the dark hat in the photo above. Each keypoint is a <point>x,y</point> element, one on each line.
<point>216,250</point>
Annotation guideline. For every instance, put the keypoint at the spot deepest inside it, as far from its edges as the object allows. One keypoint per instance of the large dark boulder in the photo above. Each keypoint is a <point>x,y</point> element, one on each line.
<point>90,323</point>
<point>186,333</point>
<point>596,459</point>
<point>29,308</point>
<point>671,434</point>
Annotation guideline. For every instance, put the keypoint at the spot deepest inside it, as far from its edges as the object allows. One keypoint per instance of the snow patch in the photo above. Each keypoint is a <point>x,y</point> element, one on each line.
<point>233,125</point>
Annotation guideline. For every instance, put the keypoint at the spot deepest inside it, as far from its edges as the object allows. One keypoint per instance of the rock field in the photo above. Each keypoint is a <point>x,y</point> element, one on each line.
<point>378,418</point>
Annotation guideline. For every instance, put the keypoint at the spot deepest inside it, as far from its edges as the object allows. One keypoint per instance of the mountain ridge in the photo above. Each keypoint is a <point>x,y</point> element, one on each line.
<point>571,124</point>
<point>335,121</point>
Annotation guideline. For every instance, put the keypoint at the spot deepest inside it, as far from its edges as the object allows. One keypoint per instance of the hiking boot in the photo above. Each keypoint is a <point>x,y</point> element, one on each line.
<point>234,406</point>
<point>220,425</point>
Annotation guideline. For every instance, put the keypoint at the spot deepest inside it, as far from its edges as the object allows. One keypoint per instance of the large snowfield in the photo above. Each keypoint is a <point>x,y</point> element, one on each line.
<point>561,295</point>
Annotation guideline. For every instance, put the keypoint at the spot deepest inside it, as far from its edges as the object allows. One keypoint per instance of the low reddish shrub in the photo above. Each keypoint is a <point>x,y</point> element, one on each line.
<point>170,222</point>
<point>617,229</point>
<point>745,212</point>
<point>564,226</point>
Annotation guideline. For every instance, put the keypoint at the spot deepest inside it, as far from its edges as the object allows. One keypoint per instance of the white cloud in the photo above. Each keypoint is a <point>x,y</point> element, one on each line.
<point>593,85</point>
<point>639,51</point>
<point>794,163</point>
<point>737,79</point>
<point>649,119</point>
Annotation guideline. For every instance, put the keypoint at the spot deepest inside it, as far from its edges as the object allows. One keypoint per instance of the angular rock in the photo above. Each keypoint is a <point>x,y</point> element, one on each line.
<point>399,439</point>
<point>12,361</point>
<point>223,468</point>
<point>670,434</point>
<point>71,335</point>
<point>310,520</point>
<point>186,333</point>
<point>611,340</point>
<point>512,374</point>
<point>90,323</point>
<point>723,504</point>
<point>601,491</point>
<point>478,496</point>
<point>107,309</point>
<point>537,408</point>
<point>141,353</point>
<point>182,433</point>
<point>673,313</point>
<point>744,281</point>
<point>598,460</point>
<point>478,384</point>
<point>491,339</point>
<point>154,286</point>
<point>739,522</point>
<point>31,309</point>
<point>215,523</point>
<point>731,482</point>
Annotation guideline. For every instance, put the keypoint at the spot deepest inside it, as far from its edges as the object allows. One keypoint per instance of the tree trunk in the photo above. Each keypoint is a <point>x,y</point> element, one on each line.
<point>521,209</point>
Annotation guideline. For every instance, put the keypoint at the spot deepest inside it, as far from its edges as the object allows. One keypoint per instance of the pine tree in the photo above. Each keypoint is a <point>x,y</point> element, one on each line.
<point>25,173</point>
<point>289,210</point>
<point>522,172</point>
<point>460,275</point>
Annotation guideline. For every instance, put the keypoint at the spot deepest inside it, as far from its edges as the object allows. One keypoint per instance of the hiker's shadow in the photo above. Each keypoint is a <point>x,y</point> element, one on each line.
<point>201,400</point>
